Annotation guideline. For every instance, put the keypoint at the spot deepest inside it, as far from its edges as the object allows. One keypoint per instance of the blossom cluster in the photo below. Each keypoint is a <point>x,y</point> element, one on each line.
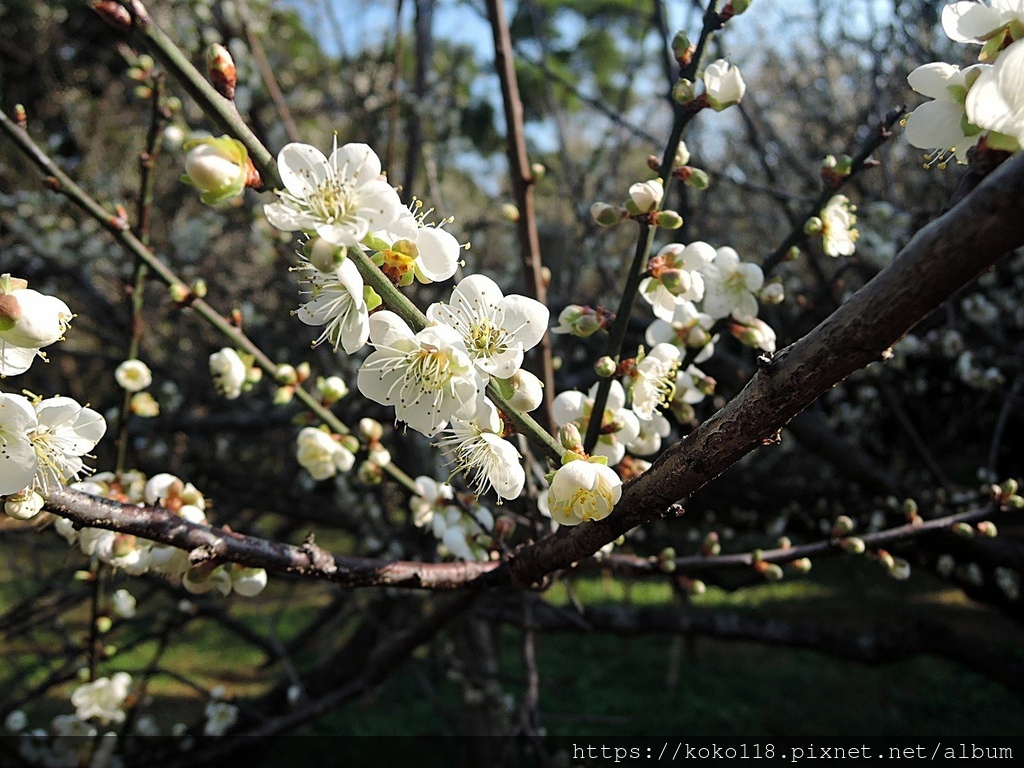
<point>434,376</point>
<point>136,556</point>
<point>464,528</point>
<point>982,104</point>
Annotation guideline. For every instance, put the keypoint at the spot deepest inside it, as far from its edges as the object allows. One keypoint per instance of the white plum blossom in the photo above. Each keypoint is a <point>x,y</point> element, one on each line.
<point>975,22</point>
<point>619,425</point>
<point>646,195</point>
<point>24,505</point>
<point>103,698</point>
<point>996,100</point>
<point>321,455</point>
<point>941,125</point>
<point>495,328</point>
<point>133,375</point>
<point>754,332</point>
<point>342,198</point>
<point>428,376</point>
<point>477,448</point>
<point>582,491</point>
<point>409,249</point>
<point>838,235</point>
<point>730,285</point>
<point>723,84</point>
<point>430,497</point>
<point>123,604</point>
<point>228,372</point>
<point>42,446</point>
<point>688,329</point>
<point>337,302</point>
<point>247,582</point>
<point>653,378</point>
<point>220,716</point>
<point>29,321</point>
<point>652,431</point>
<point>527,391</point>
<point>676,276</point>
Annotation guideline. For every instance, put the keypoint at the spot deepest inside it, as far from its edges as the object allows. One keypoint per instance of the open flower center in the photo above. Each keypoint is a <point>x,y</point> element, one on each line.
<point>431,369</point>
<point>487,338</point>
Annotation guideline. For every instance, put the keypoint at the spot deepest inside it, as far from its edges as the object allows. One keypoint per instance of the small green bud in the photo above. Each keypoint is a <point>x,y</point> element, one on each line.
<point>286,374</point>
<point>1009,487</point>
<point>370,430</point>
<point>350,443</point>
<point>180,293</point>
<point>1014,502</point>
<point>681,47</point>
<point>698,179</point>
<point>605,367</point>
<point>964,530</point>
<point>900,569</point>
<point>853,545</point>
<point>813,226</point>
<point>370,473</point>
<point>103,624</point>
<point>987,528</point>
<point>909,508</point>
<point>803,564</point>
<point>842,525</point>
<point>569,437</point>
<point>607,215</point>
<point>539,171</point>
<point>325,256</point>
<point>684,91</point>
<point>667,219</point>
<point>199,288</point>
<point>284,394</point>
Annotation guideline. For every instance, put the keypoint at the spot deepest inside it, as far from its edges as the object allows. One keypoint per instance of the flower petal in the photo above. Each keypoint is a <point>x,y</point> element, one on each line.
<point>302,168</point>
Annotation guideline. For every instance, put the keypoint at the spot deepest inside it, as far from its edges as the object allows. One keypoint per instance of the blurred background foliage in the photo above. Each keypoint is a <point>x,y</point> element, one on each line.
<point>939,418</point>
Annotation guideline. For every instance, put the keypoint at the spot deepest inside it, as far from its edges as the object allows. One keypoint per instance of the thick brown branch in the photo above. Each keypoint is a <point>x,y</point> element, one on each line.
<point>208,543</point>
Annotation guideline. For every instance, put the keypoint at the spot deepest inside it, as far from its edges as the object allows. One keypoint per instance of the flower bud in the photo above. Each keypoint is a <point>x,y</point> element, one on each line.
<point>900,569</point>
<point>1008,488</point>
<point>739,6</point>
<point>539,171</point>
<point>842,526</point>
<point>133,375</point>
<point>667,220</point>
<point>987,528</point>
<point>677,281</point>
<point>772,293</point>
<point>645,196</point>
<point>607,215</point>
<point>180,293</point>
<point>323,255</point>
<point>697,178</point>
<point>284,394</point>
<point>723,85</point>
<point>886,559</point>
<point>569,437</point>
<point>605,367</point>
<point>509,212</point>
<point>219,168</point>
<point>771,571</point>
<point>286,374</point>
<point>853,545</point>
<point>682,49</point>
<point>684,91</point>
<point>711,545</point>
<point>145,406</point>
<point>370,430</point>
<point>528,391</point>
<point>24,505</point>
<point>682,155</point>
<point>578,321</point>
<point>803,564</point>
<point>1014,502</point>
<point>350,443</point>
<point>684,412</point>
<point>813,226</point>
<point>103,624</point>
<point>222,71</point>
<point>332,389</point>
<point>693,586</point>
<point>963,530</point>
<point>370,473</point>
